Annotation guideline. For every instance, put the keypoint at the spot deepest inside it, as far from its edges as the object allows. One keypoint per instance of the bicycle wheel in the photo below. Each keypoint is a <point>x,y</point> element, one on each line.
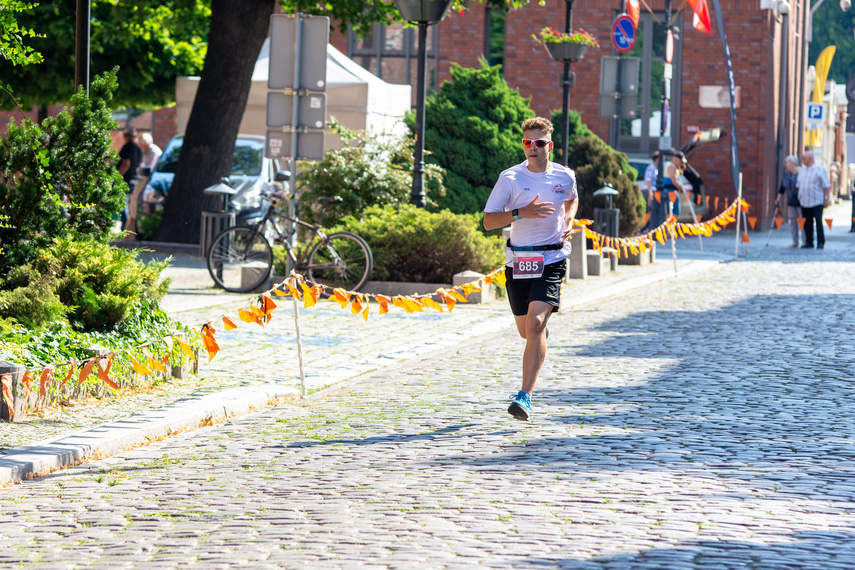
<point>240,260</point>
<point>343,260</point>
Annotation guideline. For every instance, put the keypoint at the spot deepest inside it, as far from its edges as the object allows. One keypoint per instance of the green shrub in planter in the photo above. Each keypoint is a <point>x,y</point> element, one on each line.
<point>414,245</point>
<point>98,285</point>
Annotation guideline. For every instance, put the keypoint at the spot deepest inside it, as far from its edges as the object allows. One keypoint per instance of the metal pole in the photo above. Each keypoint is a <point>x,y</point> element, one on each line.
<point>81,45</point>
<point>565,100</point>
<point>782,103</point>
<point>664,140</point>
<point>807,29</point>
<point>417,196</point>
<point>299,348</point>
<point>738,217</point>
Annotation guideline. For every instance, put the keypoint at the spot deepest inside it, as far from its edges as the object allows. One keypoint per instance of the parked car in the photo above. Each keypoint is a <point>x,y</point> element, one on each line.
<point>251,173</point>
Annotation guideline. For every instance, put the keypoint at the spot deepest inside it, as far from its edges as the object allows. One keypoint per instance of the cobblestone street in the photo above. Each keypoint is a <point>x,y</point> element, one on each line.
<point>703,422</point>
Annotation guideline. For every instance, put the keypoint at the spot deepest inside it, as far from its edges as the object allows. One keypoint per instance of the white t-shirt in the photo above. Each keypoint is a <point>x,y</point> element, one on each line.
<point>517,186</point>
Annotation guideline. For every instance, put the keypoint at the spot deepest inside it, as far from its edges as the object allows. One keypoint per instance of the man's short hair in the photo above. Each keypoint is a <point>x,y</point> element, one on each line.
<point>655,155</point>
<point>541,123</point>
<point>146,138</point>
<point>792,159</point>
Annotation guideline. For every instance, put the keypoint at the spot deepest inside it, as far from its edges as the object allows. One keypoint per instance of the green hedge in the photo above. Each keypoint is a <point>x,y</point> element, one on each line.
<point>414,245</point>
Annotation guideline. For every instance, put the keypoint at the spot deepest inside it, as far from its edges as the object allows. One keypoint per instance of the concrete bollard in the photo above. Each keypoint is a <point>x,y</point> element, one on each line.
<point>577,264</point>
<point>485,295</point>
<point>19,399</point>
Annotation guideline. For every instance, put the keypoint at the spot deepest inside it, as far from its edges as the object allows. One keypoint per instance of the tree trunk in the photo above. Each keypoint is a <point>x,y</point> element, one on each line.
<point>238,29</point>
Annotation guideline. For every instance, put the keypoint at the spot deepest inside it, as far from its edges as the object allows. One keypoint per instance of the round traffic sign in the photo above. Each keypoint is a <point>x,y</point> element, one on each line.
<point>623,34</point>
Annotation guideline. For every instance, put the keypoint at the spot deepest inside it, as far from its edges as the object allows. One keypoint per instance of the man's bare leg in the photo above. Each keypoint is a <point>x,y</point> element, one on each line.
<point>532,327</point>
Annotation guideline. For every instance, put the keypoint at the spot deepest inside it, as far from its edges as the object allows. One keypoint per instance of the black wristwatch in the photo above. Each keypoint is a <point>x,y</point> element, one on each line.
<point>516,213</point>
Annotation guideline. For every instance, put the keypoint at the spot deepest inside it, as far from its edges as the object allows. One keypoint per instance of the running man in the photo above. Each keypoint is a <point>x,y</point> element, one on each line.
<point>538,199</point>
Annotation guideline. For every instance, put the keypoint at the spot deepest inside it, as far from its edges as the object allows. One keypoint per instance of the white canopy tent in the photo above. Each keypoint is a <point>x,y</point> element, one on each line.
<point>356,98</point>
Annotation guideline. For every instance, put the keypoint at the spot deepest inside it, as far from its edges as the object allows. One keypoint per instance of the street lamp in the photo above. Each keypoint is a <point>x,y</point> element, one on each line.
<point>423,13</point>
<point>567,83</point>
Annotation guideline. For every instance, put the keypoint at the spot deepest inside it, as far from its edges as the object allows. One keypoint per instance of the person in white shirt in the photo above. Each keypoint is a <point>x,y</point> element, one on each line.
<point>814,192</point>
<point>151,152</point>
<point>538,199</point>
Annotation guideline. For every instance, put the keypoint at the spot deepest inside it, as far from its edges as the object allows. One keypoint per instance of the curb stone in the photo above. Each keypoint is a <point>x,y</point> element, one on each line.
<point>45,457</point>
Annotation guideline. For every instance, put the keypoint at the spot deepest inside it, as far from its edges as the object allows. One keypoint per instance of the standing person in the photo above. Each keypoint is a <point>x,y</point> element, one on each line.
<point>814,192</point>
<point>789,192</point>
<point>538,199</point>
<point>130,157</point>
<point>650,174</point>
<point>150,151</point>
<point>671,183</point>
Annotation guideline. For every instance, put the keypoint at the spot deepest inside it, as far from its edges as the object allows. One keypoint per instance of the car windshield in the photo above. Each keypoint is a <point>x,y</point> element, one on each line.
<point>246,160</point>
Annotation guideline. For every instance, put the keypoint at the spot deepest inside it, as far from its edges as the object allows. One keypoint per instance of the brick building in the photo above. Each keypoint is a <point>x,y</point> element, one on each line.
<point>755,35</point>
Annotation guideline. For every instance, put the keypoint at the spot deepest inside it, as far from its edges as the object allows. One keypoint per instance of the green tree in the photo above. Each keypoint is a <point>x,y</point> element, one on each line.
<point>12,36</point>
<point>152,42</point>
<point>362,14</point>
<point>834,27</point>
<point>57,178</point>
<point>473,132</point>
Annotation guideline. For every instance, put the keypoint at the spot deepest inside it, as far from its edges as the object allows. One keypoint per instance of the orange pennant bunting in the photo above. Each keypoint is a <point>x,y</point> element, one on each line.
<point>103,373</point>
<point>778,221</point>
<point>86,370</point>
<point>6,381</point>
<point>229,323</point>
<point>658,196</point>
<point>185,348</point>
<point>751,221</point>
<point>384,303</point>
<point>715,203</point>
<point>44,382</point>
<point>155,364</point>
<point>138,368</point>
<point>342,296</point>
<point>71,372</point>
<point>27,380</point>
<point>828,221</point>
<point>801,222</point>
<point>646,218</point>
<point>672,196</point>
<point>208,341</point>
<point>745,238</point>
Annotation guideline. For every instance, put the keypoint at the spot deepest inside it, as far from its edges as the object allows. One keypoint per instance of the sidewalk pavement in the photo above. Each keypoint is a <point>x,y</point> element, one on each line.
<point>258,367</point>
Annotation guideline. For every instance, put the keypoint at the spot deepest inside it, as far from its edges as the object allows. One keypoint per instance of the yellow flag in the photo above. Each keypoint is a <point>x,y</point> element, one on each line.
<point>823,65</point>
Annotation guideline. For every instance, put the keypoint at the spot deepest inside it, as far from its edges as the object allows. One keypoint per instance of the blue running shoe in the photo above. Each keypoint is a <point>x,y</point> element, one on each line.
<point>520,408</point>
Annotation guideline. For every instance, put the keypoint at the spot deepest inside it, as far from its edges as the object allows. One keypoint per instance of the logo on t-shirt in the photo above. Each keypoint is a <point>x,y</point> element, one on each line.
<point>559,189</point>
<point>526,189</point>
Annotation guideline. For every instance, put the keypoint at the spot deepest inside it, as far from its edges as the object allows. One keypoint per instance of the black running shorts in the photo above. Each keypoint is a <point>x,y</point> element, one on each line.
<point>546,288</point>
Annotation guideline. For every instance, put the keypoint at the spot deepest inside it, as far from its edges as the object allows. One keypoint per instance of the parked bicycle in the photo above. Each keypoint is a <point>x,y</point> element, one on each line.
<point>241,258</point>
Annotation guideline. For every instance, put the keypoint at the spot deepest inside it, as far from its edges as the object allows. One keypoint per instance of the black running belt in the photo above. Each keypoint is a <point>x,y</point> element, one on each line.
<point>548,247</point>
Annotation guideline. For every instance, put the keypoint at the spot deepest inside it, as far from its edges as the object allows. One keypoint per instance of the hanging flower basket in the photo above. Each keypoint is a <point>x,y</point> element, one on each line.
<point>423,10</point>
<point>566,51</point>
<point>564,46</point>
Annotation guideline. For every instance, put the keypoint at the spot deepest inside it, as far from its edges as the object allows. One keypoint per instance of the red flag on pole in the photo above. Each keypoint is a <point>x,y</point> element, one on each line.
<point>701,20</point>
<point>633,10</point>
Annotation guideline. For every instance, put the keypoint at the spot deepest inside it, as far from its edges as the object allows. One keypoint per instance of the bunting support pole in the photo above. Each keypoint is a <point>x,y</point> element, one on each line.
<point>695,218</point>
<point>738,219</point>
<point>299,349</point>
<point>673,237</point>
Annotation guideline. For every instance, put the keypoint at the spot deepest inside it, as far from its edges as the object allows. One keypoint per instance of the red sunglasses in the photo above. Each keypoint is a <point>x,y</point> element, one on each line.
<point>539,143</point>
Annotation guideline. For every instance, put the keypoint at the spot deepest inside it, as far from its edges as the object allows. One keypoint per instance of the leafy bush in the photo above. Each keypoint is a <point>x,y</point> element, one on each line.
<point>412,244</point>
<point>595,165</point>
<point>59,342</point>
<point>473,132</point>
<point>368,170</point>
<point>58,178</point>
<point>96,287</point>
